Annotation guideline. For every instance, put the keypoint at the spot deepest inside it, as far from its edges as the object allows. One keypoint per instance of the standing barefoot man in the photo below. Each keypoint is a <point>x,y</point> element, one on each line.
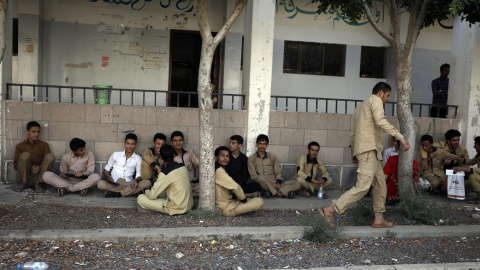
<point>366,144</point>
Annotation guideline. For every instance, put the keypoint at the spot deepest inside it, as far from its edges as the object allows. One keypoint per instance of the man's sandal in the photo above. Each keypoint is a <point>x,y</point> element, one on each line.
<point>20,187</point>
<point>62,191</point>
<point>290,195</point>
<point>38,188</point>
<point>384,224</point>
<point>83,192</point>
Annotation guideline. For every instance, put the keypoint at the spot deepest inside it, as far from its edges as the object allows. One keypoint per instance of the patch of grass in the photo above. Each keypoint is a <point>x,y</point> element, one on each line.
<point>318,230</point>
<point>418,208</point>
<point>391,234</point>
<point>362,212</point>
<point>202,214</point>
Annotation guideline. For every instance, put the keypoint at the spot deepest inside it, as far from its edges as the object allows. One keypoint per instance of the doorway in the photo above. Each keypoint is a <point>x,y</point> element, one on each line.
<point>185,50</point>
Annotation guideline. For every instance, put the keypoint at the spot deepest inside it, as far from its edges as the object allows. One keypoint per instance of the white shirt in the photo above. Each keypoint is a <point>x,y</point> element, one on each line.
<point>123,167</point>
<point>388,153</point>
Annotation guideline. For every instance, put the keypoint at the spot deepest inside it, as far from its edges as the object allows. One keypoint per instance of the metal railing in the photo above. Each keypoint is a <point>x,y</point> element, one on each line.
<point>141,97</point>
<point>119,96</point>
<point>347,106</point>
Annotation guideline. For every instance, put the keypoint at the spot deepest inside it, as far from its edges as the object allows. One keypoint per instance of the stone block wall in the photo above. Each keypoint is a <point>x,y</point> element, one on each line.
<point>104,127</point>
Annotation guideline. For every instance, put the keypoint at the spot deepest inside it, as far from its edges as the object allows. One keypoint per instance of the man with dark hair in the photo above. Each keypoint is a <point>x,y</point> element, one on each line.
<point>306,171</point>
<point>431,162</point>
<point>473,182</point>
<point>440,93</point>
<point>187,158</point>
<point>237,168</point>
<point>172,181</point>
<point>224,187</point>
<point>264,169</point>
<point>152,164</point>
<point>366,145</point>
<point>76,171</point>
<point>123,172</point>
<point>32,159</point>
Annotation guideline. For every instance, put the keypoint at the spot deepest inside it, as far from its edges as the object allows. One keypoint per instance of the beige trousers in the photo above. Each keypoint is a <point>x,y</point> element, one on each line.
<point>473,183</point>
<point>311,187</point>
<point>235,208</point>
<point>123,186</point>
<point>24,173</point>
<point>72,184</point>
<point>437,182</point>
<point>285,187</point>
<point>369,173</point>
<point>159,205</point>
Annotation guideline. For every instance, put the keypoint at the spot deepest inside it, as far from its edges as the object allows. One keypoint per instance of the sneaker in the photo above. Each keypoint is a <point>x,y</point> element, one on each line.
<point>110,194</point>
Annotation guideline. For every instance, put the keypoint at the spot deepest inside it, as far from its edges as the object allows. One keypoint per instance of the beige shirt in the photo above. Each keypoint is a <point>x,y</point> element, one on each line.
<point>178,190</point>
<point>266,167</point>
<point>72,164</point>
<point>148,156</point>
<point>473,161</point>
<point>190,161</point>
<point>304,169</point>
<point>434,165</point>
<point>223,185</point>
<point>368,123</point>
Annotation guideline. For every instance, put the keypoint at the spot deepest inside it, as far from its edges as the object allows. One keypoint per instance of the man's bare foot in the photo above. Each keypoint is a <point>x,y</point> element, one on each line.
<point>328,214</point>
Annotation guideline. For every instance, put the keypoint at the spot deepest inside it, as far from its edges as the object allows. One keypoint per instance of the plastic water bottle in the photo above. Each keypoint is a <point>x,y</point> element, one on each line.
<point>33,266</point>
<point>320,193</point>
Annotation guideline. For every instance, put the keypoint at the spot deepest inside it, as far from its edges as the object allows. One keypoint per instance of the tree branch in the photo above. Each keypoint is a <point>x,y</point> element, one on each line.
<point>395,26</point>
<point>239,4</point>
<point>375,26</point>
<point>201,7</point>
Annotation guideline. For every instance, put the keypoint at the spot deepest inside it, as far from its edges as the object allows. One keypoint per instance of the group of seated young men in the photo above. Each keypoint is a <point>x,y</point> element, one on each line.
<point>433,159</point>
<point>239,180</point>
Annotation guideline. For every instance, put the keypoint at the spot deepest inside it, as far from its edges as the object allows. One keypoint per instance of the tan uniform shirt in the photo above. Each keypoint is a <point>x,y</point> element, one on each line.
<point>190,161</point>
<point>304,170</point>
<point>473,161</point>
<point>177,187</point>
<point>148,156</point>
<point>38,150</point>
<point>369,121</point>
<point>434,165</point>
<point>72,164</point>
<point>224,184</point>
<point>266,167</point>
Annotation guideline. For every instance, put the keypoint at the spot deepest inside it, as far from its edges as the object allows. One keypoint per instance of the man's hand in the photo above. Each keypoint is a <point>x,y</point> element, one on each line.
<point>425,162</point>
<point>158,169</point>
<point>78,174</point>
<point>318,181</point>
<point>35,169</point>
<point>354,159</point>
<point>275,185</point>
<point>63,175</point>
<point>406,145</point>
<point>461,169</point>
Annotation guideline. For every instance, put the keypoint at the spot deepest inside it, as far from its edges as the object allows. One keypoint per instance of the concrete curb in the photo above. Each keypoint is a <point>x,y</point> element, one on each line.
<point>231,233</point>
<point>438,266</point>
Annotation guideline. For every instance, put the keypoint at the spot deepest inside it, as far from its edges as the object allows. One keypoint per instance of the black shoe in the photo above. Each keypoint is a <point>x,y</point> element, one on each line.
<point>110,194</point>
<point>267,194</point>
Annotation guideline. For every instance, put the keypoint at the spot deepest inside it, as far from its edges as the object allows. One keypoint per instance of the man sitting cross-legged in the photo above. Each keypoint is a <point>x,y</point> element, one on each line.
<point>264,169</point>
<point>124,166</point>
<point>187,158</point>
<point>231,205</point>
<point>173,181</point>
<point>237,168</point>
<point>473,181</point>
<point>76,170</point>
<point>431,163</point>
<point>152,164</point>
<point>306,170</point>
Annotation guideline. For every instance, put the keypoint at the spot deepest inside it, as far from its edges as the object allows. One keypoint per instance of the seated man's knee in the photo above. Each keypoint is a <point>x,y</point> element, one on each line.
<point>102,184</point>
<point>24,156</point>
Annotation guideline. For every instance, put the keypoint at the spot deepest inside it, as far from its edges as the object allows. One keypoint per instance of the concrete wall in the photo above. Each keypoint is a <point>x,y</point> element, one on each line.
<point>103,127</point>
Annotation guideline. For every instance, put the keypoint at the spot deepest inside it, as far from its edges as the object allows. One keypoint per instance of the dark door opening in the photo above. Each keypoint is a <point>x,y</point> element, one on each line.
<point>185,49</point>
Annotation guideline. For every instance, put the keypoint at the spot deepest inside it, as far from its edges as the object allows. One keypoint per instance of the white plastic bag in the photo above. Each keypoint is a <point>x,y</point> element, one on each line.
<point>455,185</point>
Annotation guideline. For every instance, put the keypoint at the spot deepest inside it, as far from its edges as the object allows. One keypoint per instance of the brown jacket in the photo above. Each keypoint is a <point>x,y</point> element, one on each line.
<point>38,151</point>
<point>434,165</point>
<point>266,167</point>
<point>224,185</point>
<point>368,123</point>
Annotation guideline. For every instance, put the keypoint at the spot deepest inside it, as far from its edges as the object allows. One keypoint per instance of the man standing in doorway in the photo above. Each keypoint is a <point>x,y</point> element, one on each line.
<point>440,93</point>
<point>366,145</point>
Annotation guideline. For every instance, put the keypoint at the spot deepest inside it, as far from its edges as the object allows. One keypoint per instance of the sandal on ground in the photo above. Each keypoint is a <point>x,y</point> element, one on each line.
<point>38,188</point>
<point>83,192</point>
<point>303,193</point>
<point>290,195</point>
<point>20,187</point>
<point>62,191</point>
<point>253,195</point>
<point>475,201</point>
<point>384,224</point>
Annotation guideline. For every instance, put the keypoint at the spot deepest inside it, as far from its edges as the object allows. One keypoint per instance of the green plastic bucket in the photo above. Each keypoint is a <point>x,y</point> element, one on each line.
<point>102,93</point>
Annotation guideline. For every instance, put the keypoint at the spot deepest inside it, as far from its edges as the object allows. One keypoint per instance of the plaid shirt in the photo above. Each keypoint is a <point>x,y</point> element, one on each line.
<point>440,91</point>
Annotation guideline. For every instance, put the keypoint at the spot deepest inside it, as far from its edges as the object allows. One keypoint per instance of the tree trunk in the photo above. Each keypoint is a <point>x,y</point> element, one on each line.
<point>205,105</point>
<point>405,119</point>
<point>3,30</point>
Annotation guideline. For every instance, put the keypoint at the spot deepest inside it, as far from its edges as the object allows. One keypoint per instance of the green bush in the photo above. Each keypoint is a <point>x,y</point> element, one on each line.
<point>362,213</point>
<point>416,207</point>
<point>318,230</point>
<point>202,214</point>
